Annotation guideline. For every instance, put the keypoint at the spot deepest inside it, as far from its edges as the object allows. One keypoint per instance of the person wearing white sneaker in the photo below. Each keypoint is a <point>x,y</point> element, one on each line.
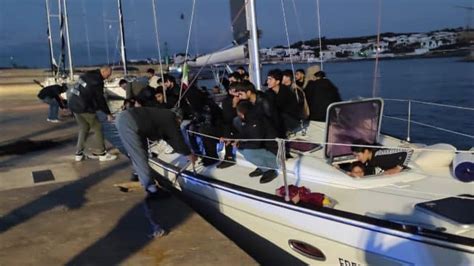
<point>84,100</point>
<point>51,95</point>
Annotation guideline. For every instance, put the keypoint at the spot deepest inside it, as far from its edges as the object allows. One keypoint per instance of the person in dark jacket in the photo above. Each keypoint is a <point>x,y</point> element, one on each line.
<point>89,98</point>
<point>320,93</point>
<point>285,102</point>
<point>136,125</point>
<point>255,126</point>
<point>52,96</point>
<point>171,90</point>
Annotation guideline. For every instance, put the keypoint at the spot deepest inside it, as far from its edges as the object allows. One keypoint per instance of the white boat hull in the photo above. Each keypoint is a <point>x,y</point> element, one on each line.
<point>342,240</point>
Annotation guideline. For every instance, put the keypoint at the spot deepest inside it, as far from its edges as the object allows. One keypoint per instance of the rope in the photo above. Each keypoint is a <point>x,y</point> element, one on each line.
<point>181,95</point>
<point>319,36</point>
<point>287,38</point>
<point>189,31</point>
<point>376,68</point>
<point>298,24</point>
<point>155,20</point>
<point>431,126</point>
<point>430,103</point>
<point>330,143</point>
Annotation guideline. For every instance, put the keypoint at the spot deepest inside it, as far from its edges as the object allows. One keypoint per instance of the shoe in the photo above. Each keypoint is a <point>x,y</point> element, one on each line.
<point>208,162</point>
<point>79,157</point>
<point>256,172</point>
<point>134,177</point>
<point>103,157</point>
<point>268,176</point>
<point>225,164</point>
<point>159,233</point>
<point>107,157</point>
<point>53,120</point>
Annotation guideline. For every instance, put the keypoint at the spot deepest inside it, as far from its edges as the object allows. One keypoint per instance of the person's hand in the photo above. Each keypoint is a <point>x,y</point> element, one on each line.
<point>235,101</point>
<point>110,118</point>
<point>397,169</point>
<point>192,157</point>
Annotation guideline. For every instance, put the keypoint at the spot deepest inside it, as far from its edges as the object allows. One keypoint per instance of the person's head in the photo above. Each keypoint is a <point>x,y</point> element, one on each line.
<point>361,151</point>
<point>241,70</point>
<point>299,75</point>
<point>235,77</point>
<point>159,94</point>
<point>146,97</point>
<point>246,76</point>
<point>150,72</point>
<point>216,90</point>
<point>287,77</point>
<point>245,90</point>
<point>320,74</point>
<point>105,72</point>
<point>310,71</point>
<point>243,109</point>
<point>274,79</point>
<point>123,84</point>
<point>168,81</point>
<point>63,87</point>
<point>357,169</point>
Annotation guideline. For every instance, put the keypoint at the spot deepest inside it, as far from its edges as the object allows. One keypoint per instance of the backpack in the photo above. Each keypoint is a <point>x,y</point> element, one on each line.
<point>75,97</point>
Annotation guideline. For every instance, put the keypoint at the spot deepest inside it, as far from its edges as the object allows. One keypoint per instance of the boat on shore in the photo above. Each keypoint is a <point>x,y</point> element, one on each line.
<point>423,215</point>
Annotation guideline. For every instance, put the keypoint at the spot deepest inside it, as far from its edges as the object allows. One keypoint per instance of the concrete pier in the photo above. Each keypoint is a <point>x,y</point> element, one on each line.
<point>78,217</point>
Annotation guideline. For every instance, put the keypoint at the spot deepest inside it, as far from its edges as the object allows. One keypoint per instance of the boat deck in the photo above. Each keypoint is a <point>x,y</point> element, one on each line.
<point>389,197</point>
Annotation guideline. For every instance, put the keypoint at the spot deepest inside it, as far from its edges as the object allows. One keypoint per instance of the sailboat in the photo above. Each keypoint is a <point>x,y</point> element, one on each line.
<point>58,70</point>
<point>421,216</point>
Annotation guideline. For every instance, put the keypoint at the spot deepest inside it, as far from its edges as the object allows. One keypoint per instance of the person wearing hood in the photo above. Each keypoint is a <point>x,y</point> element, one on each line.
<point>320,93</point>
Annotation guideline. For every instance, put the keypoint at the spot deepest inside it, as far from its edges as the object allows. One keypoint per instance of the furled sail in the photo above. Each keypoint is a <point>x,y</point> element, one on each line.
<point>225,56</point>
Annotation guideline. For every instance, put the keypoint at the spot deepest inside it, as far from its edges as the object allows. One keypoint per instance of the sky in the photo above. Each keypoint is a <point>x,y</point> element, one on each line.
<point>23,24</point>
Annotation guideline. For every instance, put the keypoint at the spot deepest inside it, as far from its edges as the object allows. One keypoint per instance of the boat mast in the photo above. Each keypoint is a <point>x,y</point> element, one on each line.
<point>122,38</point>
<point>254,64</point>
<point>50,40</point>
<point>69,56</point>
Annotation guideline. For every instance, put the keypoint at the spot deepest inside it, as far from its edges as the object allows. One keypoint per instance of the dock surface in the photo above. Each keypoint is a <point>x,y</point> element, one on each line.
<point>78,217</point>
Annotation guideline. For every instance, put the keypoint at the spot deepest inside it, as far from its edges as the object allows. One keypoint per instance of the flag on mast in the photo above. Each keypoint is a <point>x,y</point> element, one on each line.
<point>185,77</point>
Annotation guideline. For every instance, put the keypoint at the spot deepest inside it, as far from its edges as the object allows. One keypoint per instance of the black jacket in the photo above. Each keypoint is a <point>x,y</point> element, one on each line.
<point>257,126</point>
<point>320,94</point>
<point>156,124</point>
<point>172,96</point>
<point>53,91</point>
<point>93,92</point>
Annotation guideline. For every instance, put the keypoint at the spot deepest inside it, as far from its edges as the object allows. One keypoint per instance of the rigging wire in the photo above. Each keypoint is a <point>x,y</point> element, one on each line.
<point>288,39</point>
<point>319,36</point>
<point>377,47</point>
<point>86,28</point>
<point>106,33</point>
<point>157,36</point>
<point>298,25</point>
<point>187,49</point>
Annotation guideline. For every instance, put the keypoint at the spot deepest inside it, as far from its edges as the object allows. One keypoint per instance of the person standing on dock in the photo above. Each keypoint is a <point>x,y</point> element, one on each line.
<point>85,99</point>
<point>52,96</point>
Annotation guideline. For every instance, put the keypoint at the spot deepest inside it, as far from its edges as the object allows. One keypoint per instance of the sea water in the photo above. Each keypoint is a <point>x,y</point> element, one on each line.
<point>448,81</point>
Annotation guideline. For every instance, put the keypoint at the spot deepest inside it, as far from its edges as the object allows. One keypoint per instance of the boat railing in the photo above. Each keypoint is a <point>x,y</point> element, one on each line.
<point>281,154</point>
<point>409,120</point>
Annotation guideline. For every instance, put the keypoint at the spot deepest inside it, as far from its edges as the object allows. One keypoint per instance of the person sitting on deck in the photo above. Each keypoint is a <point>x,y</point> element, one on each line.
<point>381,161</point>
<point>299,78</point>
<point>255,126</point>
<point>171,90</point>
<point>152,78</point>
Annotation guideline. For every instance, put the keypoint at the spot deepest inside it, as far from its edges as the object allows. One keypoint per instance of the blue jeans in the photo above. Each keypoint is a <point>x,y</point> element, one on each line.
<point>136,147</point>
<point>53,107</point>
<point>110,132</point>
<point>262,158</point>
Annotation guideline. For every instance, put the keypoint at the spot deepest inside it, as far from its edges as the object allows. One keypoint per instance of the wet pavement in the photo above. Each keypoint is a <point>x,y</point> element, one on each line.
<point>79,217</point>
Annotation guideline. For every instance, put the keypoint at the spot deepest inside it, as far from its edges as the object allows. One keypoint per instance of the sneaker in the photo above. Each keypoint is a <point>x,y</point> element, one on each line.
<point>256,172</point>
<point>134,177</point>
<point>159,233</point>
<point>225,164</point>
<point>53,120</point>
<point>268,176</point>
<point>79,157</point>
<point>107,157</point>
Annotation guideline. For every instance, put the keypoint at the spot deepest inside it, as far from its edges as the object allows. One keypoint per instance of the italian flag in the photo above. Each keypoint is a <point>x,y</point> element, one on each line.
<point>185,77</point>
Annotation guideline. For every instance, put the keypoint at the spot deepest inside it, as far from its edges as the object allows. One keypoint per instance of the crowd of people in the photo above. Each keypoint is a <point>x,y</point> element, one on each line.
<point>189,119</point>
